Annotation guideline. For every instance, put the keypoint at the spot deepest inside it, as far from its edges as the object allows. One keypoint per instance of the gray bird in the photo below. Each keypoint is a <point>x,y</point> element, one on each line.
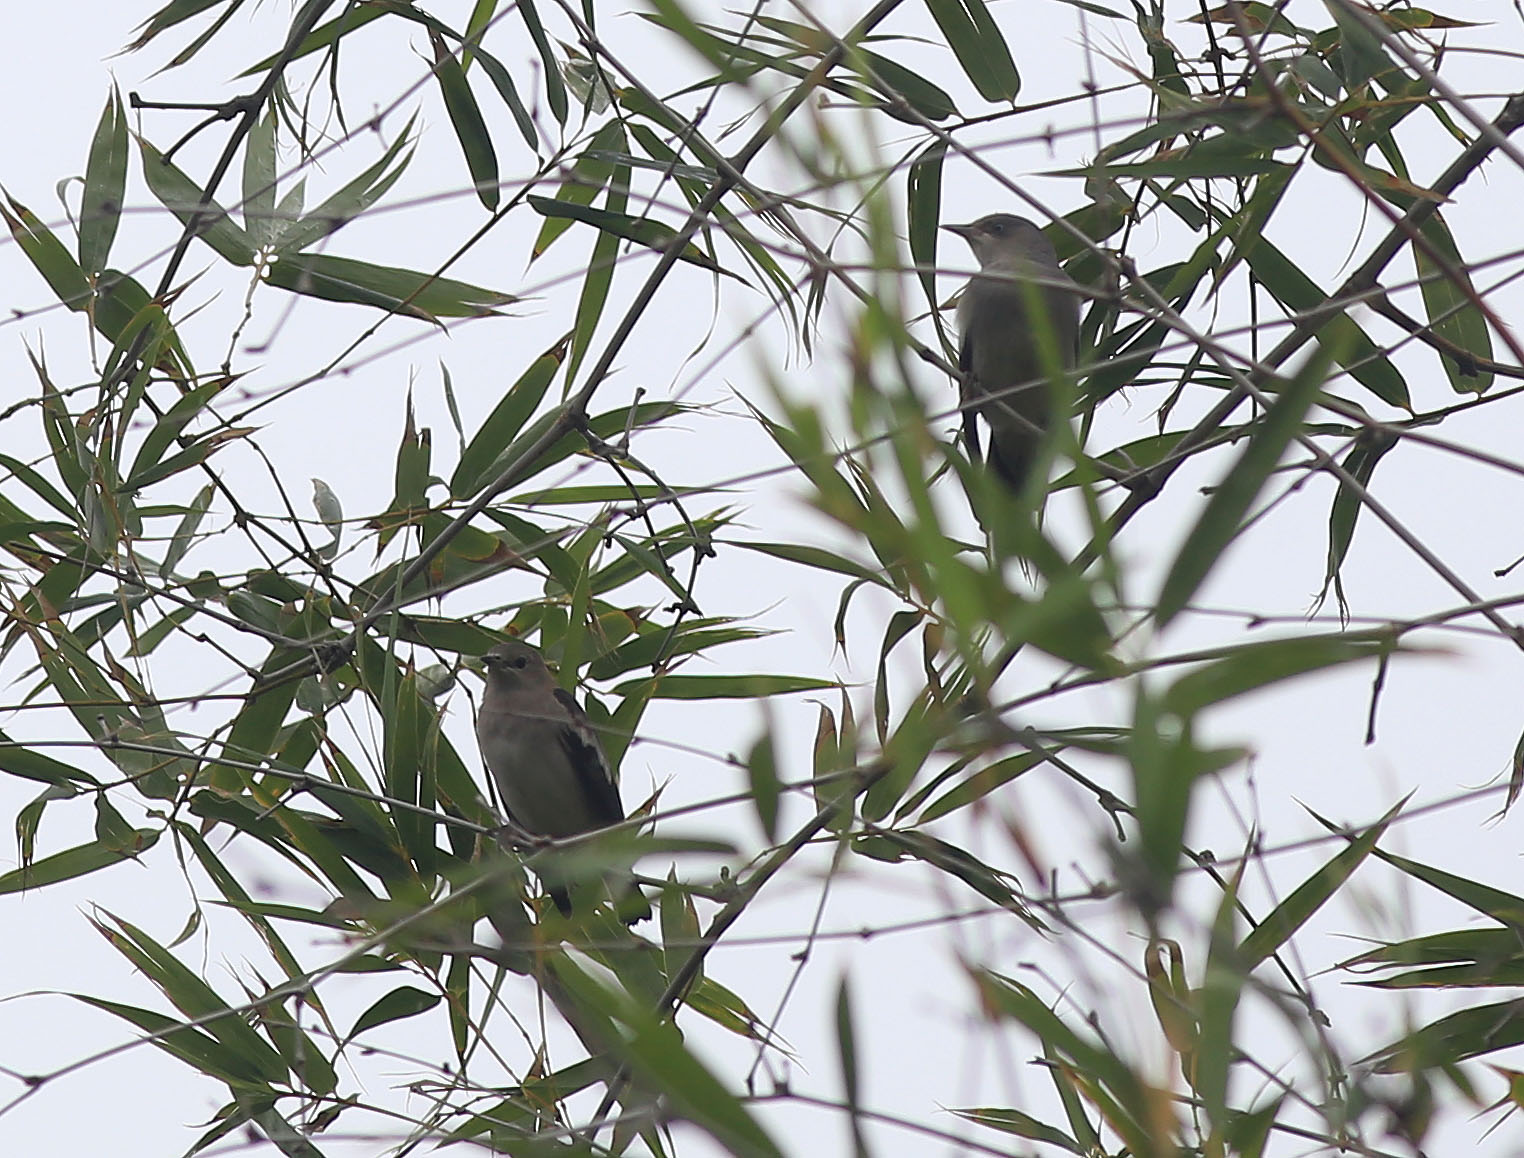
<point>542,751</point>
<point>1004,378</point>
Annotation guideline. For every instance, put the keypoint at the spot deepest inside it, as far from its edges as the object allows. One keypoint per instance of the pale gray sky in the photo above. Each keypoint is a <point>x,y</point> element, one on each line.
<point>1446,721</point>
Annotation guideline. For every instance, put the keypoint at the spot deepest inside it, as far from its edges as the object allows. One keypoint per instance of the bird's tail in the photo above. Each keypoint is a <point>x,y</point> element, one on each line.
<point>1012,458</point>
<point>631,904</point>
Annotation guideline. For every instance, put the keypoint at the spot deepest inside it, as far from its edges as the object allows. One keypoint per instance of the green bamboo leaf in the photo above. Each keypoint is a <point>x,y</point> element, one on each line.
<point>1248,224</point>
<point>1283,922</point>
<point>122,310</point>
<point>1167,765</point>
<point>1489,947</point>
<point>723,52</point>
<point>289,211</point>
<point>1222,985</point>
<point>1124,358</point>
<point>193,455</point>
<point>1248,1132</point>
<point>654,644</point>
<point>723,1007</point>
<point>411,475</point>
<point>259,162</point>
<point>733,687</point>
<point>308,1065</point>
<point>237,898</point>
<point>1361,54</point>
<point>1413,19</point>
<point>846,1052</point>
<point>19,760</point>
<point>193,997</point>
<point>173,13</point>
<point>256,610</point>
<point>1068,1092</point>
<point>833,755</point>
<point>1494,972</point>
<point>600,274</point>
<point>289,834</point>
<point>470,126</point>
<point>649,557</point>
<point>349,202</point>
<point>41,487</point>
<point>76,862</point>
<point>477,24</point>
<point>923,203</point>
<point>196,1049</point>
<point>409,770</point>
<point>1232,159</point>
<point>48,256</point>
<point>1065,622</point>
<point>655,1049</point>
<point>1449,303</point>
<point>1251,666</point>
<point>502,80</point>
<point>980,47</point>
<point>1504,907</point>
<point>925,98</point>
<point>1167,76</point>
<point>458,993</point>
<point>680,930</point>
<point>993,885</point>
<point>590,173</point>
<point>1472,1032</point>
<point>645,231</point>
<point>762,776</point>
<point>980,784</point>
<point>1352,347</point>
<point>404,291</point>
<point>1359,464</point>
<point>403,1002</point>
<point>1257,17</point>
<point>1009,1121</point>
<point>324,35</point>
<point>900,624</point>
<point>105,187</point>
<point>1126,1103</point>
<point>818,558</point>
<point>505,422</point>
<point>255,729</point>
<point>1220,522</point>
<point>555,91</point>
<point>182,197</point>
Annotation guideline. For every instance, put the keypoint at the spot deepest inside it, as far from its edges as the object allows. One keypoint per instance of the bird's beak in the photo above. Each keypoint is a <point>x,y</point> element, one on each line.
<point>963,231</point>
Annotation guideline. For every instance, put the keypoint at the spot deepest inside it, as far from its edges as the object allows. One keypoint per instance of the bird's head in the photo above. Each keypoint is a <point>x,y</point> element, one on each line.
<point>1003,240</point>
<point>514,663</point>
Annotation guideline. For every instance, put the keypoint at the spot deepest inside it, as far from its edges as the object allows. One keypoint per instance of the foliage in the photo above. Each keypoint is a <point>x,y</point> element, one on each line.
<point>163,561</point>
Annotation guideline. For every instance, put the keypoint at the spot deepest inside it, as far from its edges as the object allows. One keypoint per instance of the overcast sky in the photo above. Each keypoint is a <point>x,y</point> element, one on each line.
<point>1447,721</point>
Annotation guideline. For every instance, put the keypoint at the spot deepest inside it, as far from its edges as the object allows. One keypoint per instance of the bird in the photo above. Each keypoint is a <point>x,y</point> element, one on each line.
<point>1019,287</point>
<point>542,752</point>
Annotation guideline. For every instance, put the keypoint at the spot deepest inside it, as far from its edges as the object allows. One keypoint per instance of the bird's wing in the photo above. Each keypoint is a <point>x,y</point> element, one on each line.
<point>966,395</point>
<point>588,763</point>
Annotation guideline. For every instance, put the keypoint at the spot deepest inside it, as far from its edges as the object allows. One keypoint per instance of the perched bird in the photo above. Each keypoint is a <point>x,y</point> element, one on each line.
<point>540,748</point>
<point>1019,287</point>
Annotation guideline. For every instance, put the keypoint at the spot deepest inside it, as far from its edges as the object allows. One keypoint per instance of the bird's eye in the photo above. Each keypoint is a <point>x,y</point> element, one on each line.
<point>521,663</point>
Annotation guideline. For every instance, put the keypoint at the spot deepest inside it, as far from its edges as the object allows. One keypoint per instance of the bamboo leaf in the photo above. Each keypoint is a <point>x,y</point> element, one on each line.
<point>100,210</point>
<point>390,288</point>
<point>470,126</point>
<point>1220,522</point>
